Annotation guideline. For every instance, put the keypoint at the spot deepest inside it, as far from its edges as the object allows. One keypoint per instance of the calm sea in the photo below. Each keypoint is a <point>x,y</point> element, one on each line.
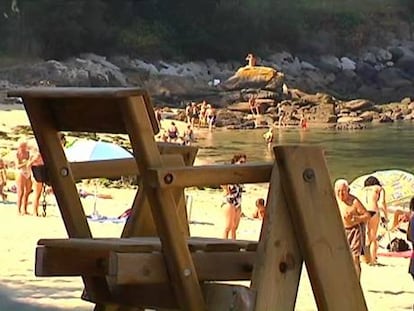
<point>349,154</point>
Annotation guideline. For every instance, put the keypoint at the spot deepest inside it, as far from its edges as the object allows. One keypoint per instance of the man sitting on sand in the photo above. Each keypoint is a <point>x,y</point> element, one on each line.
<point>354,215</point>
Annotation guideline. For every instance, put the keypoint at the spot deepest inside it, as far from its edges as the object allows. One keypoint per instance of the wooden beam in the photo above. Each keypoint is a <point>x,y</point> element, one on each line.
<point>318,228</point>
<point>219,297</point>
<point>205,175</point>
<point>183,276</point>
<point>75,92</point>
<point>125,167</point>
<point>278,265</point>
<point>138,267</point>
<point>103,113</point>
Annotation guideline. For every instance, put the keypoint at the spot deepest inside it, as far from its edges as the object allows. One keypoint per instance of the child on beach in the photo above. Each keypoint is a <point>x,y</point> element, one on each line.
<point>260,209</point>
<point>3,180</point>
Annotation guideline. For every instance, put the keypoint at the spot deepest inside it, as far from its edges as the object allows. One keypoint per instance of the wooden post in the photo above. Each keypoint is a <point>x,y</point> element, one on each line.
<point>318,228</point>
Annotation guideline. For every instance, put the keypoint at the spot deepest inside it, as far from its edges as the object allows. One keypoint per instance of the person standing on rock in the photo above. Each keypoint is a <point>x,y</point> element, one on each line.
<point>251,59</point>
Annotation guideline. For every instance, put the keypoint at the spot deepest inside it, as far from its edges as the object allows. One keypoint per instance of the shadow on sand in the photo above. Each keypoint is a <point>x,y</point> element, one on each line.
<point>11,302</point>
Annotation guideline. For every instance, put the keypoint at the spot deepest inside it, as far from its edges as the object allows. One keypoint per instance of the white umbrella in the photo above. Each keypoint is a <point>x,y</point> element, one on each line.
<point>91,150</point>
<point>398,185</point>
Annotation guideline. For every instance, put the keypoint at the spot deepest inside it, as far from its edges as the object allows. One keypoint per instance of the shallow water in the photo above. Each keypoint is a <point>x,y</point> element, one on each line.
<point>349,154</point>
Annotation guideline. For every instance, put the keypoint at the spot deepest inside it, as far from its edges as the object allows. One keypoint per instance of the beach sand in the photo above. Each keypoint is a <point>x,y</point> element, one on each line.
<point>386,287</point>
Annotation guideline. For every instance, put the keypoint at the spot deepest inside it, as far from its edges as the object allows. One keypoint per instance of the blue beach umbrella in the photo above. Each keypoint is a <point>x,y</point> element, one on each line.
<point>91,150</point>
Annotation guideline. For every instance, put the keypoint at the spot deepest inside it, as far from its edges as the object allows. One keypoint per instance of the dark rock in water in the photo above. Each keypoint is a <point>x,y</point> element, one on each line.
<point>350,126</point>
<point>385,119</point>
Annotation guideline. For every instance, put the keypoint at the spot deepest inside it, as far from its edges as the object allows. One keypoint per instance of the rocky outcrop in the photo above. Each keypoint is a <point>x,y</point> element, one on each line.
<point>325,88</point>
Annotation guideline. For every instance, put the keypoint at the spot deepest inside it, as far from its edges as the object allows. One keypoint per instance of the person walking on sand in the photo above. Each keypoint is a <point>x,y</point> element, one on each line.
<point>353,215</point>
<point>232,205</point>
<point>373,196</point>
<point>23,177</point>
<point>3,180</point>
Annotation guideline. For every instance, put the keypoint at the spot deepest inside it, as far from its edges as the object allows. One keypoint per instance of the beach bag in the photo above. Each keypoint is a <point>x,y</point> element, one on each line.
<point>40,174</point>
<point>398,245</point>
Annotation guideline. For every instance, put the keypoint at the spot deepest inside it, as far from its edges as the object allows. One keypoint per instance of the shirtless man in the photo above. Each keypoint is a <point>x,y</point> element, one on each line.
<point>373,196</point>
<point>354,215</point>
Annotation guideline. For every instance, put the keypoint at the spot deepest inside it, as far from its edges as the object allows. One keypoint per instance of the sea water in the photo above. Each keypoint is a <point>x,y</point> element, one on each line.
<point>349,153</point>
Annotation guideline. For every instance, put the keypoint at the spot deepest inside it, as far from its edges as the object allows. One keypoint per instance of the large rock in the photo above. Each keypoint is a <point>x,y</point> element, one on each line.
<point>256,77</point>
<point>359,105</point>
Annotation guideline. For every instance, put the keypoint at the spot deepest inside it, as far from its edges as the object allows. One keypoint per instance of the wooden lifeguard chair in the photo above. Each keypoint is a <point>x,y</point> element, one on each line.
<point>156,263</point>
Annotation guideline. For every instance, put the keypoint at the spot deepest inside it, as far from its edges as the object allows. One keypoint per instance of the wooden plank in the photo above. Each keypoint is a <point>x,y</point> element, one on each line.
<point>104,169</point>
<point>205,175</point>
<point>318,227</point>
<point>147,244</point>
<point>64,261</point>
<point>278,265</point>
<point>134,268</point>
<point>72,108</point>
<point>220,297</point>
<point>138,267</point>
<point>75,92</point>
<point>126,167</point>
<point>177,256</point>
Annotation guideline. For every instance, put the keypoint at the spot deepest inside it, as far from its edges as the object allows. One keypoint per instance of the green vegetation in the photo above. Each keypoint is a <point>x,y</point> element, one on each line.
<point>188,29</point>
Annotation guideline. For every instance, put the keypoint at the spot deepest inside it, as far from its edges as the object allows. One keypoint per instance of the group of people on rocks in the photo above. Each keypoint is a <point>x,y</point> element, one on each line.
<point>196,115</point>
<point>361,216</point>
<point>202,115</point>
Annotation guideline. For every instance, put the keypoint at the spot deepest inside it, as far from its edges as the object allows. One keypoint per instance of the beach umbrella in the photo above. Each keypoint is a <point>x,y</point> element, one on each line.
<point>91,150</point>
<point>398,185</point>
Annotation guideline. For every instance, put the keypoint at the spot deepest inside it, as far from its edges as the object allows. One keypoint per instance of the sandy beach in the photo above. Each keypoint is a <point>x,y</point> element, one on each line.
<point>387,286</point>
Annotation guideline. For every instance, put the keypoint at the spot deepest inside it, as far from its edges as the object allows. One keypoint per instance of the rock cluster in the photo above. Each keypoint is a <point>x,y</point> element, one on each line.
<point>326,88</point>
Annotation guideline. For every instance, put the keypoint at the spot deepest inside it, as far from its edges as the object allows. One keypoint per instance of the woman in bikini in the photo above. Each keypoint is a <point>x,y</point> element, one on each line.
<point>373,196</point>
<point>233,197</point>
<point>23,177</point>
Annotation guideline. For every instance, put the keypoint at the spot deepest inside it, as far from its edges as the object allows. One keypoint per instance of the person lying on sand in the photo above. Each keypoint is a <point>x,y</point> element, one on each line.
<point>83,194</point>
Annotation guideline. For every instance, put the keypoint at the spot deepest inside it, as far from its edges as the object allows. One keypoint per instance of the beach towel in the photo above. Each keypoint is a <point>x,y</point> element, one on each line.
<point>405,254</point>
<point>106,219</point>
